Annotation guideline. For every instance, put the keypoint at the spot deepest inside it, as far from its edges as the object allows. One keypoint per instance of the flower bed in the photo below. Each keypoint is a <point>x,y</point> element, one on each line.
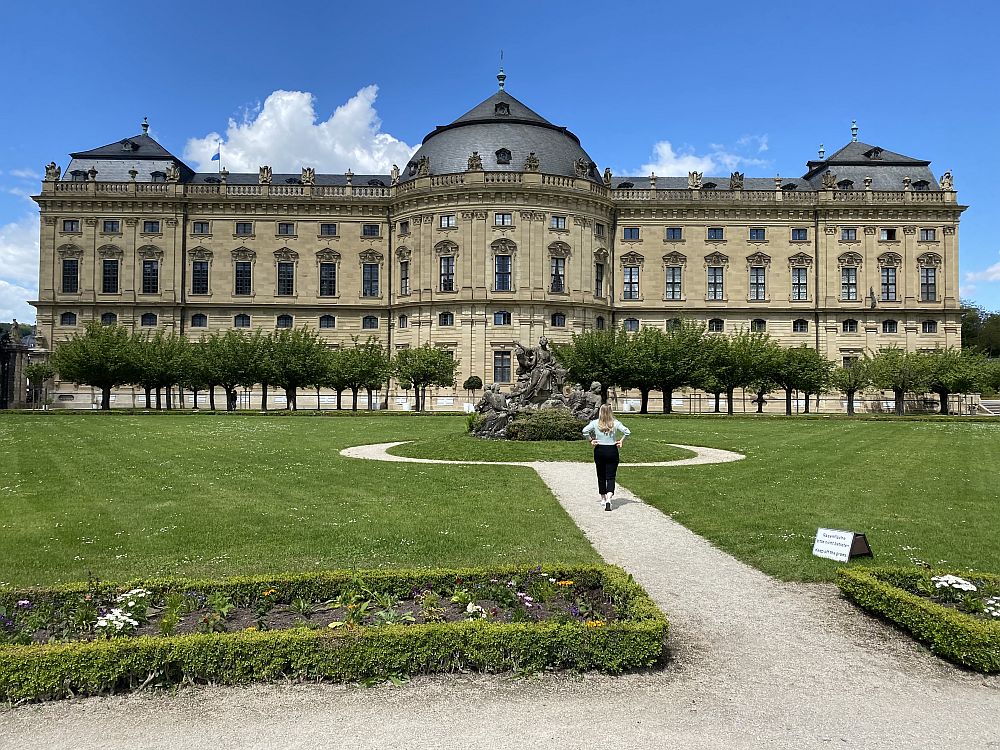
<point>957,616</point>
<point>100,637</point>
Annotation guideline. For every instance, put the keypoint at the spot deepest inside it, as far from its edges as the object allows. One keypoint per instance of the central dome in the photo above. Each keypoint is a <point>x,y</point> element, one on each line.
<point>504,132</point>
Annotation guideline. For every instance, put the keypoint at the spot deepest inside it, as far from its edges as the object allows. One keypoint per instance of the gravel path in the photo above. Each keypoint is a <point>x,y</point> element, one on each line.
<point>754,664</point>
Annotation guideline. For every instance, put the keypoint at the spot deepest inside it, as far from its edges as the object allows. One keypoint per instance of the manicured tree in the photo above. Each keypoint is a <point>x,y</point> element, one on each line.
<point>644,352</point>
<point>801,369</point>
<point>160,360</point>
<point>102,357</point>
<point>377,368</point>
<point>472,384</point>
<point>770,361</point>
<point>901,372</point>
<point>262,366</point>
<point>990,375</point>
<point>423,366</point>
<point>38,374</point>
<point>704,375</point>
<point>195,371</point>
<point>738,360</point>
<point>363,366</point>
<point>299,360</point>
<point>953,371</point>
<point>333,377</point>
<point>850,379</point>
<point>231,356</point>
<point>595,355</point>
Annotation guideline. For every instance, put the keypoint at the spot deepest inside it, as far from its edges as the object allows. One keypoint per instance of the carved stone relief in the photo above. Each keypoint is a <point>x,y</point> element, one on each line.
<point>244,253</point>
<point>800,260</point>
<point>674,259</point>
<point>327,255</point>
<point>716,259</point>
<point>632,259</point>
<point>285,254</point>
<point>849,259</point>
<point>758,259</point>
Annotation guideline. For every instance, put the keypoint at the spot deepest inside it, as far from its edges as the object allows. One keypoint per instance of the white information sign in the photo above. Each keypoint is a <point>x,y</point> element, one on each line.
<point>445,401</point>
<point>833,544</point>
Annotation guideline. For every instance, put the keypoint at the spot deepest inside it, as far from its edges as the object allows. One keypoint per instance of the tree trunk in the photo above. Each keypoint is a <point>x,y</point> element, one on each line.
<point>340,392</point>
<point>318,404</point>
<point>604,393</point>
<point>898,395</point>
<point>195,405</point>
<point>211,398</point>
<point>850,402</point>
<point>943,395</point>
<point>106,399</point>
<point>354,399</point>
<point>644,404</point>
<point>370,402</point>
<point>807,395</point>
<point>159,399</point>
<point>788,402</point>
<point>668,399</point>
<point>290,403</point>
<point>170,396</point>
<point>263,396</point>
<point>760,402</point>
<point>149,397</point>
<point>729,400</point>
<point>718,408</point>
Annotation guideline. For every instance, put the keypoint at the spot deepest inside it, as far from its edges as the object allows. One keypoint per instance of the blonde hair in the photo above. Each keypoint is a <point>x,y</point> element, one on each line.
<point>606,419</point>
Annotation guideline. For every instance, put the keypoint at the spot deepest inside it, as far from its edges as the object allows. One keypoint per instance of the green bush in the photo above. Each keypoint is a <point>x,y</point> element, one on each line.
<point>546,424</point>
<point>953,635</point>
<point>636,639</point>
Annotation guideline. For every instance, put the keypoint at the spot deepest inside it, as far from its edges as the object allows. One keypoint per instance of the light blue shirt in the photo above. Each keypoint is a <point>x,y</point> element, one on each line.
<point>603,439</point>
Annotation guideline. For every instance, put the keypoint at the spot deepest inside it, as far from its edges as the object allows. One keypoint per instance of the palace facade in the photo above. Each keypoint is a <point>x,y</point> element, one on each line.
<point>500,229</point>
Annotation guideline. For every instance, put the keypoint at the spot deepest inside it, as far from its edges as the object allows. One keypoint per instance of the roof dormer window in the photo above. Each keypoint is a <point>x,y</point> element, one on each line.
<point>845,185</point>
<point>503,156</point>
<point>789,186</point>
<point>709,186</point>
<point>376,183</point>
<point>293,181</point>
<point>920,185</point>
<point>158,176</point>
<point>626,185</point>
<point>501,109</point>
<point>78,175</point>
<point>128,145</point>
<point>875,153</point>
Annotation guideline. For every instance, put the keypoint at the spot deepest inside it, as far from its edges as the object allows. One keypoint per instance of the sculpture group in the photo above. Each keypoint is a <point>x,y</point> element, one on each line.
<point>541,384</point>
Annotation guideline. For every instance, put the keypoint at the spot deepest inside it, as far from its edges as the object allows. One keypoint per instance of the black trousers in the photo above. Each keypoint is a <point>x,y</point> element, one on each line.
<point>606,460</point>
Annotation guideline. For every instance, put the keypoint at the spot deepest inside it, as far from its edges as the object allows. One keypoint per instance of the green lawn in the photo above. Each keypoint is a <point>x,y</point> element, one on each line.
<point>926,490</point>
<point>119,495</point>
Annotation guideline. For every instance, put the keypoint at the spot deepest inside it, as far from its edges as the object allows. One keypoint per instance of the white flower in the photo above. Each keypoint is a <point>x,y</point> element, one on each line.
<point>552,580</point>
<point>116,619</point>
<point>954,582</point>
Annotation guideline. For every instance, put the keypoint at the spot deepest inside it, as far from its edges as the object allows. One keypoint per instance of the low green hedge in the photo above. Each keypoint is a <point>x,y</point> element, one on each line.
<point>546,424</point>
<point>635,640</point>
<point>954,635</point>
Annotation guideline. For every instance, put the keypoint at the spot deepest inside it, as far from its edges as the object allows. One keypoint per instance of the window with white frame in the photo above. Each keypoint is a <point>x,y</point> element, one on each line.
<point>369,280</point>
<point>849,283</point>
<point>928,235</point>
<point>673,283</point>
<point>929,326</point>
<point>800,326</point>
<point>503,219</point>
<point>286,279</point>
<point>849,326</point>
<point>928,284</point>
<point>631,324</point>
<point>502,275</point>
<point>501,367</point>
<point>716,288</point>
<point>890,326</point>
<point>558,276</point>
<point>758,285</point>
<point>716,325</point>
<point>328,279</point>
<point>558,222</point>
<point>888,291</point>
<point>447,277</point>
<point>447,221</point>
<point>758,325</point>
<point>800,284</point>
<point>630,282</point>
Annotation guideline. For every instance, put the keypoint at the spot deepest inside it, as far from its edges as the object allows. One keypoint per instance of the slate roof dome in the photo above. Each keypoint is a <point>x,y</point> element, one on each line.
<point>504,132</point>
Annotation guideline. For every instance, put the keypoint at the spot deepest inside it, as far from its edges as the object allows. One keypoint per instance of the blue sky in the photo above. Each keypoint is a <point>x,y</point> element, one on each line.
<point>645,86</point>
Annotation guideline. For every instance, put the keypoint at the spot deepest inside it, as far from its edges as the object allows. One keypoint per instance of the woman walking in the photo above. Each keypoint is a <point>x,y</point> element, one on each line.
<point>604,433</point>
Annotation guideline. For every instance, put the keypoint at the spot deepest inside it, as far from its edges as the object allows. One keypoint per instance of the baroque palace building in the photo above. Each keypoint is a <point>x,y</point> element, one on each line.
<point>500,229</point>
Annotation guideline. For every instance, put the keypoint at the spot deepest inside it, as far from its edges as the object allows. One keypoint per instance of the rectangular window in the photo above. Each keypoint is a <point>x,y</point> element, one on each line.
<point>286,279</point>
<point>404,227</point>
<point>716,289</point>
<point>244,228</point>
<point>850,361</point>
<point>929,326</point>
<point>716,233</point>
<point>328,230</point>
<point>447,221</point>
<point>447,267</point>
<point>888,284</point>
<point>558,275</point>
<point>109,276</point>
<point>112,226</point>
<point>502,273</point>
<point>673,290</point>
<point>369,280</point>
<point>800,284</point>
<point>286,227</point>
<point>598,229</point>
<point>404,277</point>
<point>928,235</point>
<point>558,222</point>
<point>757,234</point>
<point>504,220</point>
<point>800,235</point>
<point>199,277</point>
<point>675,233</point>
<point>887,235</point>
<point>370,230</point>
<point>630,233</point>
<point>70,275</point>
<point>199,227</point>
<point>150,277</point>
<point>849,234</point>
<point>849,283</point>
<point>630,282</point>
<point>928,284</point>
<point>327,279</point>
<point>243,277</point>
<point>758,290</point>
<point>71,225</point>
<point>501,367</point>
<point>151,227</point>
<point>598,279</point>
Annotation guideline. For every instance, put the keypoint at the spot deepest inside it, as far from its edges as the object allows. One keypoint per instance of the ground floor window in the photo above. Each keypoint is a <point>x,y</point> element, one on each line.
<point>501,367</point>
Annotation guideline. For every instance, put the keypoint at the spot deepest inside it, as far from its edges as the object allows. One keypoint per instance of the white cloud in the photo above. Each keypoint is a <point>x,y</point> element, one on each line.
<point>25,174</point>
<point>749,140</point>
<point>14,302</point>
<point>285,134</point>
<point>19,250</point>
<point>991,273</point>
<point>669,162</point>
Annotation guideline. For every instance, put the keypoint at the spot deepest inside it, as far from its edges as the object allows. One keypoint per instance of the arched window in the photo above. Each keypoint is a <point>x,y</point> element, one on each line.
<point>285,321</point>
<point>241,321</point>
<point>889,326</point>
<point>631,324</point>
<point>148,319</point>
<point>558,320</point>
<point>199,320</point>
<point>108,319</point>
<point>599,323</point>
<point>849,326</point>
<point>716,325</point>
<point>402,322</point>
<point>673,324</point>
<point>758,325</point>
<point>800,326</point>
<point>369,322</point>
<point>845,185</point>
<point>503,156</point>
<point>446,319</point>
<point>67,319</point>
<point>501,318</point>
<point>327,321</point>
<point>158,176</point>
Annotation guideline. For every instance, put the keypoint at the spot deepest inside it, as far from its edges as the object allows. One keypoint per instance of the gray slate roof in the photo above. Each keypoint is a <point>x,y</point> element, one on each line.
<point>113,161</point>
<point>251,178</point>
<point>858,160</point>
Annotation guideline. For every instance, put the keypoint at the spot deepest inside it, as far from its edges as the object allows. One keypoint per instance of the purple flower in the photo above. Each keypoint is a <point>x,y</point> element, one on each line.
<point>23,603</point>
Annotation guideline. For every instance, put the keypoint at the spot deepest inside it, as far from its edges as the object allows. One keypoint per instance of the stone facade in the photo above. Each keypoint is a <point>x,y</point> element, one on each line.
<point>478,260</point>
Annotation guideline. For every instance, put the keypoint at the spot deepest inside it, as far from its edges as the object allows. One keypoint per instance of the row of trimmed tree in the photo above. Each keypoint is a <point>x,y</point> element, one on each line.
<point>684,356</point>
<point>107,357</point>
